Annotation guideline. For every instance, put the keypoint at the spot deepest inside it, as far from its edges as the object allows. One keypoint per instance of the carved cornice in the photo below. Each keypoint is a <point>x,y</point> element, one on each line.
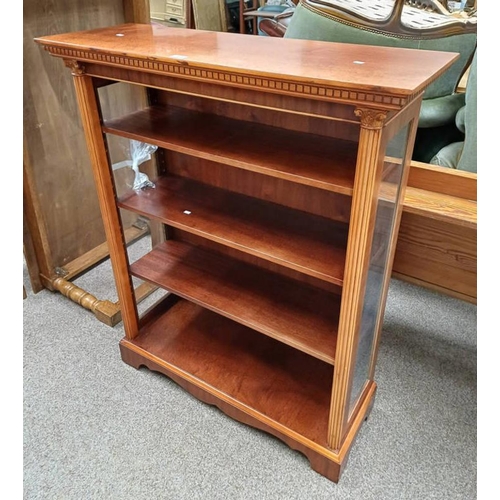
<point>75,58</point>
<point>371,118</point>
<point>77,68</point>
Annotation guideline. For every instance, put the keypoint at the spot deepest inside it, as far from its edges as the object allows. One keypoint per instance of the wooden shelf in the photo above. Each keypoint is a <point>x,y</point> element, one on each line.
<point>310,244</point>
<point>307,159</point>
<point>293,313</point>
<point>253,371</point>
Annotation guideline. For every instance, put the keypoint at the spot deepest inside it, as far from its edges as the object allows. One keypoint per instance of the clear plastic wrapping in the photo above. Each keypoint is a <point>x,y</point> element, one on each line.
<point>138,153</point>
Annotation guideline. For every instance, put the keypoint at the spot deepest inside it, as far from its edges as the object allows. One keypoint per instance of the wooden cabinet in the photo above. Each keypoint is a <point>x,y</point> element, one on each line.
<point>281,179</point>
<point>169,10</point>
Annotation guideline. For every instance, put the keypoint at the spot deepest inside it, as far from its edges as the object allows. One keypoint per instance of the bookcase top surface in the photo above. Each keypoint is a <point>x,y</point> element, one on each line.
<point>397,71</point>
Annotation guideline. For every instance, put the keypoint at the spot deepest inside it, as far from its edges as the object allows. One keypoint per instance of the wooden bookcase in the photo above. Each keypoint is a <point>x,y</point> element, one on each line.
<point>283,164</point>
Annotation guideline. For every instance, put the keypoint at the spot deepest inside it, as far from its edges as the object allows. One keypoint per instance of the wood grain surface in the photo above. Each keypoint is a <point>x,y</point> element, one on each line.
<point>284,309</point>
<point>437,254</point>
<point>396,71</point>
<point>55,148</point>
<point>313,245</point>
<point>307,159</point>
<point>267,376</point>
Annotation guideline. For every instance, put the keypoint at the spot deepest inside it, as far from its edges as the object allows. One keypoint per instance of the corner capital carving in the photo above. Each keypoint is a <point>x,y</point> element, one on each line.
<point>77,68</point>
<point>371,118</point>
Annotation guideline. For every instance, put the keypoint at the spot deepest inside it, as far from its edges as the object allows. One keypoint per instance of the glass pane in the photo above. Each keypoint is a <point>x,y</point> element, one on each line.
<point>134,170</point>
<point>384,222</point>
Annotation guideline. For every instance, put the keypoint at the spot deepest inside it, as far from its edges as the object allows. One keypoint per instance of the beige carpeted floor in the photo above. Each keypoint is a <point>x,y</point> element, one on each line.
<point>95,428</point>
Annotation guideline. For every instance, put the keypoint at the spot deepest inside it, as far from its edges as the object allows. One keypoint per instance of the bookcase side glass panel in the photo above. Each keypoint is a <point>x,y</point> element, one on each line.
<point>387,202</point>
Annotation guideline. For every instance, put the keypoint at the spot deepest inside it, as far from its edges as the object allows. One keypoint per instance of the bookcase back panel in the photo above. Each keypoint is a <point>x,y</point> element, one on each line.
<point>180,235</point>
<point>315,117</point>
<point>301,197</point>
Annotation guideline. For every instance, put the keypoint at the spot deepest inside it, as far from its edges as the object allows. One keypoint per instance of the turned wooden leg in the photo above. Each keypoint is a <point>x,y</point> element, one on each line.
<point>105,311</point>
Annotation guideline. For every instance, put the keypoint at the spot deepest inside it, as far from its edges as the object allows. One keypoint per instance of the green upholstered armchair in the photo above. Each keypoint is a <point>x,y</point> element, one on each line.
<point>400,23</point>
<point>462,155</point>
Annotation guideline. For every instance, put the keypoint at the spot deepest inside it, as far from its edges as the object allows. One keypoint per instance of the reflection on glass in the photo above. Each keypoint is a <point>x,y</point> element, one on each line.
<point>384,222</point>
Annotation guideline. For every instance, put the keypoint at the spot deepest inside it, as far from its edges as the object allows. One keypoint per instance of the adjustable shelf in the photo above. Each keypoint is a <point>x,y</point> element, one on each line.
<point>279,189</point>
<point>307,159</point>
<point>310,244</point>
<point>298,315</point>
<point>236,364</point>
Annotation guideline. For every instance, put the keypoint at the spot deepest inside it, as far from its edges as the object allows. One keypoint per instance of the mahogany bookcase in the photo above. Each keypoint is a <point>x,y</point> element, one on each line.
<point>282,169</point>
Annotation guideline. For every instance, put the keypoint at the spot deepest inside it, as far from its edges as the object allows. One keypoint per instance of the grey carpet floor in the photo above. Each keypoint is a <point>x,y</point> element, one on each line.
<point>96,428</point>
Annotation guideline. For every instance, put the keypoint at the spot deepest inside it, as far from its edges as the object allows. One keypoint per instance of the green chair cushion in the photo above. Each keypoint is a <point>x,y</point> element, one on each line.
<point>449,156</point>
<point>440,110</point>
<point>468,159</point>
<point>463,155</point>
<point>460,119</point>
